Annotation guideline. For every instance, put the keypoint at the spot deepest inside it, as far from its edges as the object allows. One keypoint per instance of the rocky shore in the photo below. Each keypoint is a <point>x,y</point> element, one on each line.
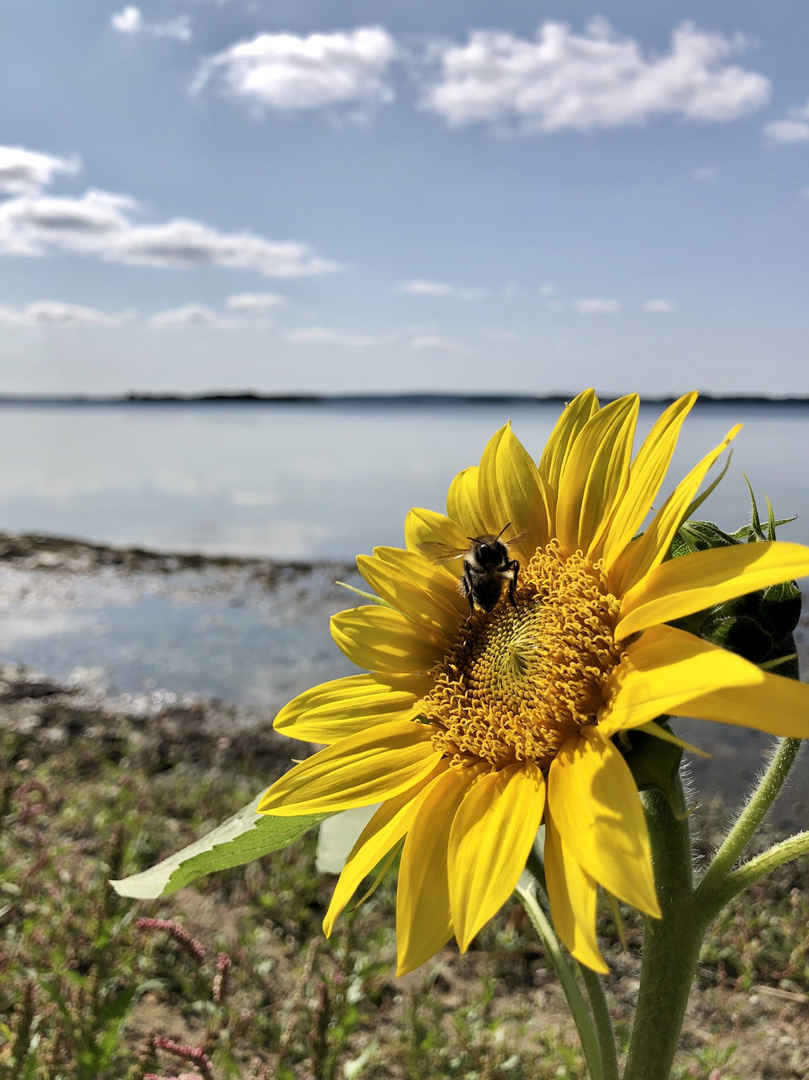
<point>154,728</point>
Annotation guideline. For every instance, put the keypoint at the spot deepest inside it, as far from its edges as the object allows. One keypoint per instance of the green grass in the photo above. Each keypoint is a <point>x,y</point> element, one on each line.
<point>88,994</point>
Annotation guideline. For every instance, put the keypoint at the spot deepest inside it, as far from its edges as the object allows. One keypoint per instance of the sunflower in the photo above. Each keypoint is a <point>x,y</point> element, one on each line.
<point>473,729</point>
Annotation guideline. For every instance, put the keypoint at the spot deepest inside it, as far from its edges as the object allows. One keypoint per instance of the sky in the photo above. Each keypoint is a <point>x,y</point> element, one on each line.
<point>387,195</point>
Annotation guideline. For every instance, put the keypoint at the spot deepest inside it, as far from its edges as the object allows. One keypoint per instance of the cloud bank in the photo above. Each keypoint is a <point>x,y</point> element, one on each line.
<point>102,224</point>
<point>598,79</point>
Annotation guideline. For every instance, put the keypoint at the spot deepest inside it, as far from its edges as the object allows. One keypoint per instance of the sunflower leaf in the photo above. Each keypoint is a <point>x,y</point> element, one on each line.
<point>242,838</point>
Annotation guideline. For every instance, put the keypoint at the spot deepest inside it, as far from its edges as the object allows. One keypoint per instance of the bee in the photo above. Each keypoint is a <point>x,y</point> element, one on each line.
<point>486,569</point>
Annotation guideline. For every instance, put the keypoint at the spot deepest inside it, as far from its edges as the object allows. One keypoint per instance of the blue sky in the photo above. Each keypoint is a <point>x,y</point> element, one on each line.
<point>385,196</point>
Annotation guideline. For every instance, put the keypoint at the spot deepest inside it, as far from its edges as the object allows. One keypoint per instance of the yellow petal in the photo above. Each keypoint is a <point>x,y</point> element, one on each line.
<point>423,591</point>
<point>489,844</point>
<point>572,893</point>
<point>437,577</point>
<point>774,704</point>
<point>628,566</point>
<point>646,475</point>
<point>342,707</point>
<point>426,527</point>
<point>595,475</point>
<point>511,491</point>
<point>382,833</point>
<point>423,920</point>
<point>574,416</point>
<point>362,769</point>
<point>663,669</point>
<point>463,504</point>
<point>595,804</point>
<point>703,578</point>
<point>379,639</point>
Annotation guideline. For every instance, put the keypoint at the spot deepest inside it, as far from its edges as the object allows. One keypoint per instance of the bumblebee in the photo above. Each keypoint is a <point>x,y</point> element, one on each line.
<point>487,569</point>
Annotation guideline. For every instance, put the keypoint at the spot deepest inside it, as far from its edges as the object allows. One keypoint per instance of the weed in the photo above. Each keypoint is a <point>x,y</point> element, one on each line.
<point>233,978</point>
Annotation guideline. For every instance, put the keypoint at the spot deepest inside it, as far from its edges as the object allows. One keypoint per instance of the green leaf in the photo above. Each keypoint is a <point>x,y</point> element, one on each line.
<point>242,838</point>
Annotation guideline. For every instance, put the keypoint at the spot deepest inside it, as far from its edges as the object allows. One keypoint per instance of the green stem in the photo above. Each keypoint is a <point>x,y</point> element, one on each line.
<point>575,999</point>
<point>601,1014</point>
<point>671,946</point>
<point>749,820</point>
<point>754,870</point>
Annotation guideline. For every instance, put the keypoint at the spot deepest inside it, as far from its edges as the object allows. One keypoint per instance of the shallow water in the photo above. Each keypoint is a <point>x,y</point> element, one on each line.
<point>206,632</point>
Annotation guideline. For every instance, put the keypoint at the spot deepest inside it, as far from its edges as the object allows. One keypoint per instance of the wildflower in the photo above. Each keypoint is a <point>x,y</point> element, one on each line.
<point>471,730</point>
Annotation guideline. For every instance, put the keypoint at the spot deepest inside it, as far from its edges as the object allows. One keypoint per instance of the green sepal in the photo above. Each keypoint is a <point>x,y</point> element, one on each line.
<point>759,625</point>
<point>655,764</point>
<point>698,536</point>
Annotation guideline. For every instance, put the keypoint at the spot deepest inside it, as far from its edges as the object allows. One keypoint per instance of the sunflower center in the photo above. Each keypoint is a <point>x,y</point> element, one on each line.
<point>522,679</point>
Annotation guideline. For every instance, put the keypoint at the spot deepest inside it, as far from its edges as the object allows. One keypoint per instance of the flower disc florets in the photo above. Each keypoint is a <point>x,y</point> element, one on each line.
<point>523,679</point>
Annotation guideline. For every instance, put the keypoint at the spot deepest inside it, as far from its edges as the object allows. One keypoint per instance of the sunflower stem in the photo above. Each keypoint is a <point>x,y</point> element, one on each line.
<point>590,1041</point>
<point>601,1014</point>
<point>671,946</point>
<point>751,817</point>
<point>755,869</point>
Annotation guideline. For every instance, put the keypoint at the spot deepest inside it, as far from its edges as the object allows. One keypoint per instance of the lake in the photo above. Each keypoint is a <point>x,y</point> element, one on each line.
<point>294,482</point>
<point>320,481</point>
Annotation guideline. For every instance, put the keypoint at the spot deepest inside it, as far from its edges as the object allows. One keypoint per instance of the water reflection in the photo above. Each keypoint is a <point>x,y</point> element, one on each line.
<point>316,481</point>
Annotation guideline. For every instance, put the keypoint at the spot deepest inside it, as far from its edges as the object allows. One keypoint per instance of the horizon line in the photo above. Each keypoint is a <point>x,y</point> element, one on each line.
<point>412,397</point>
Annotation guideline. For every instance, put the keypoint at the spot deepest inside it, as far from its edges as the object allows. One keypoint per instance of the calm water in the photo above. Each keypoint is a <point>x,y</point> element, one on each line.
<point>318,481</point>
<point>291,482</point>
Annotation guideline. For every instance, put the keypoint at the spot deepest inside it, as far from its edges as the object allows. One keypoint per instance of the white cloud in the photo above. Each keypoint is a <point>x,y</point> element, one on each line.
<point>658,307</point>
<point>567,81</point>
<point>547,289</point>
<point>59,313</point>
<point>794,129</point>
<point>35,224</point>
<point>187,315</point>
<point>597,306</point>
<point>326,336</point>
<point>704,172</point>
<point>256,302</point>
<point>129,20</point>
<point>437,341</point>
<point>439,289</point>
<point>101,224</point>
<point>183,244</point>
<point>24,172</point>
<point>288,73</point>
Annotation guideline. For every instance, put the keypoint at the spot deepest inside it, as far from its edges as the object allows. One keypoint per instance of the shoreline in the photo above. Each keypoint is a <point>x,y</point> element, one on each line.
<point>48,551</point>
<point>152,724</point>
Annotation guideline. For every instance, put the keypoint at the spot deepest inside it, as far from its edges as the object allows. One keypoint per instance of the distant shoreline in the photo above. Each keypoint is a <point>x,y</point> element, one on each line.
<point>377,399</point>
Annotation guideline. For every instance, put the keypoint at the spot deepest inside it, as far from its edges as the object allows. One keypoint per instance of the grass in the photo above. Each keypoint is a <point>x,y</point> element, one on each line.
<point>238,981</point>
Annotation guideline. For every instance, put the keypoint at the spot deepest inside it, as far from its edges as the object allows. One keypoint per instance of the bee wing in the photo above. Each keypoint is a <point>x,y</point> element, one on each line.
<point>438,552</point>
<point>508,541</point>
